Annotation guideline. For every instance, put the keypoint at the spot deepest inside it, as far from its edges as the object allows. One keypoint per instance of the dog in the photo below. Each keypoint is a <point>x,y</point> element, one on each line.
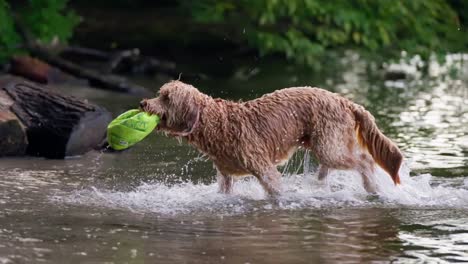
<point>254,137</point>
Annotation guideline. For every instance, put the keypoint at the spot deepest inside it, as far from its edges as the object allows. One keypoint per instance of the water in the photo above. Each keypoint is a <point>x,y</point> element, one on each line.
<point>158,202</point>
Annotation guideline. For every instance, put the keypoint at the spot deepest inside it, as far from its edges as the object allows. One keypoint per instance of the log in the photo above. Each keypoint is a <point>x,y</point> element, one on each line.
<point>13,140</point>
<point>117,58</point>
<point>56,125</point>
<point>39,71</point>
<point>87,53</point>
<point>126,61</point>
<point>31,68</point>
<point>96,79</point>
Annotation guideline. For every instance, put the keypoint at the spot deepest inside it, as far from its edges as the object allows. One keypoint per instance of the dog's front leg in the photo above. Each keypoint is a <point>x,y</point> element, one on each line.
<point>270,181</point>
<point>323,172</point>
<point>225,182</point>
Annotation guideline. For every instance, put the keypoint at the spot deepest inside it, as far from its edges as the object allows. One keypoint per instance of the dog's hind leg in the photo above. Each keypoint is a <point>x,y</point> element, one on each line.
<point>366,168</point>
<point>225,182</point>
<point>368,183</point>
<point>270,181</point>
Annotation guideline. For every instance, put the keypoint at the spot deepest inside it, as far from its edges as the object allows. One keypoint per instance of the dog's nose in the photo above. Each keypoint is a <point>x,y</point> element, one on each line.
<point>143,104</point>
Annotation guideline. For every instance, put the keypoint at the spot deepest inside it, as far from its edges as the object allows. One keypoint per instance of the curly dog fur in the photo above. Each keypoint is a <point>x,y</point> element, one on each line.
<point>254,137</point>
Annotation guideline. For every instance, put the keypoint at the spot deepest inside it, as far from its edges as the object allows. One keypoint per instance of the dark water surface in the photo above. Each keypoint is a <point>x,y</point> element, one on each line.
<point>158,202</point>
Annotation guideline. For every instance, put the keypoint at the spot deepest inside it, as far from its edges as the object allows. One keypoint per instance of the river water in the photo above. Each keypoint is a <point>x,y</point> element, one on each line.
<point>158,203</point>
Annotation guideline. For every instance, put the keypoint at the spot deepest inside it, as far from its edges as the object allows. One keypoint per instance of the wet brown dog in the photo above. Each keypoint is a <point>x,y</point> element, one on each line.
<point>254,137</point>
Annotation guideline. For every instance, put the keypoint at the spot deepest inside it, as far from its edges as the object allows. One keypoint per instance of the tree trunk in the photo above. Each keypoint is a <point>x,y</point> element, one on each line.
<point>56,125</point>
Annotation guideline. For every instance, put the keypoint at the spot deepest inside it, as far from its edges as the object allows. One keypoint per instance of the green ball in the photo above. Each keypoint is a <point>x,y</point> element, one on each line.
<point>130,128</point>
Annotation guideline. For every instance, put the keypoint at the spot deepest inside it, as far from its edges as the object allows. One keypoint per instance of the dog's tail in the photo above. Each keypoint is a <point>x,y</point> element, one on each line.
<point>382,149</point>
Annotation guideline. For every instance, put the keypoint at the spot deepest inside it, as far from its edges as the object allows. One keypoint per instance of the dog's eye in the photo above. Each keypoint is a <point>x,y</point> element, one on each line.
<point>165,98</point>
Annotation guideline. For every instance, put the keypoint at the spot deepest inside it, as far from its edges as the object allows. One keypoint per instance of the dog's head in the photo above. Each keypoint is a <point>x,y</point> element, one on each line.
<point>178,107</point>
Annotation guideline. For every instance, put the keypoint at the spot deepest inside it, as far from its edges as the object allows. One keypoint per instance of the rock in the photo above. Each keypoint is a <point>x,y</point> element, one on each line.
<point>56,125</point>
<point>13,140</point>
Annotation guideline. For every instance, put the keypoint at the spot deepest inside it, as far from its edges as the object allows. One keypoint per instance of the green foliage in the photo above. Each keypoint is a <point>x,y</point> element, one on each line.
<point>304,29</point>
<point>9,39</point>
<point>45,20</point>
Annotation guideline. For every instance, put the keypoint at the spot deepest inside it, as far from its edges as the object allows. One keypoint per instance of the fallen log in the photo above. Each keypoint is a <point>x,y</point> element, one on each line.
<point>96,79</point>
<point>84,52</point>
<point>39,71</point>
<point>116,59</point>
<point>123,61</point>
<point>31,68</point>
<point>56,125</point>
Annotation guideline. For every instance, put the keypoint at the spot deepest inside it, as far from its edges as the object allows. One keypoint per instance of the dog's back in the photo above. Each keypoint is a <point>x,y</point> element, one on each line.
<point>266,131</point>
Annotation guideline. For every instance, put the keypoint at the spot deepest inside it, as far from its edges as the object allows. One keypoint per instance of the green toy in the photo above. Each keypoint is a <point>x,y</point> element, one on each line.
<point>129,128</point>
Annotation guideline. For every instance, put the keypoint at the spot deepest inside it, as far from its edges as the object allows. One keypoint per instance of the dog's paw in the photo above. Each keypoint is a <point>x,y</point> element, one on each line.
<point>372,197</point>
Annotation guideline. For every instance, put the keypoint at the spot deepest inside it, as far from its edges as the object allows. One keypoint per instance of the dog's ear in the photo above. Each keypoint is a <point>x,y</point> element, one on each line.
<point>192,117</point>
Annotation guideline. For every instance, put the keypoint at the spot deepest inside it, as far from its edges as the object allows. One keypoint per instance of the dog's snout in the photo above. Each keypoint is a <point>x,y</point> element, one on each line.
<point>143,104</point>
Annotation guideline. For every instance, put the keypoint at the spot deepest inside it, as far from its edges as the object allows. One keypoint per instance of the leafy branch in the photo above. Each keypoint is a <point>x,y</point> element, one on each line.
<point>302,30</point>
<point>47,21</point>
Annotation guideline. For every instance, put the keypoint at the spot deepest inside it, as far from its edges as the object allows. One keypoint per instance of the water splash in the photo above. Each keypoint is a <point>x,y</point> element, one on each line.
<point>343,188</point>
